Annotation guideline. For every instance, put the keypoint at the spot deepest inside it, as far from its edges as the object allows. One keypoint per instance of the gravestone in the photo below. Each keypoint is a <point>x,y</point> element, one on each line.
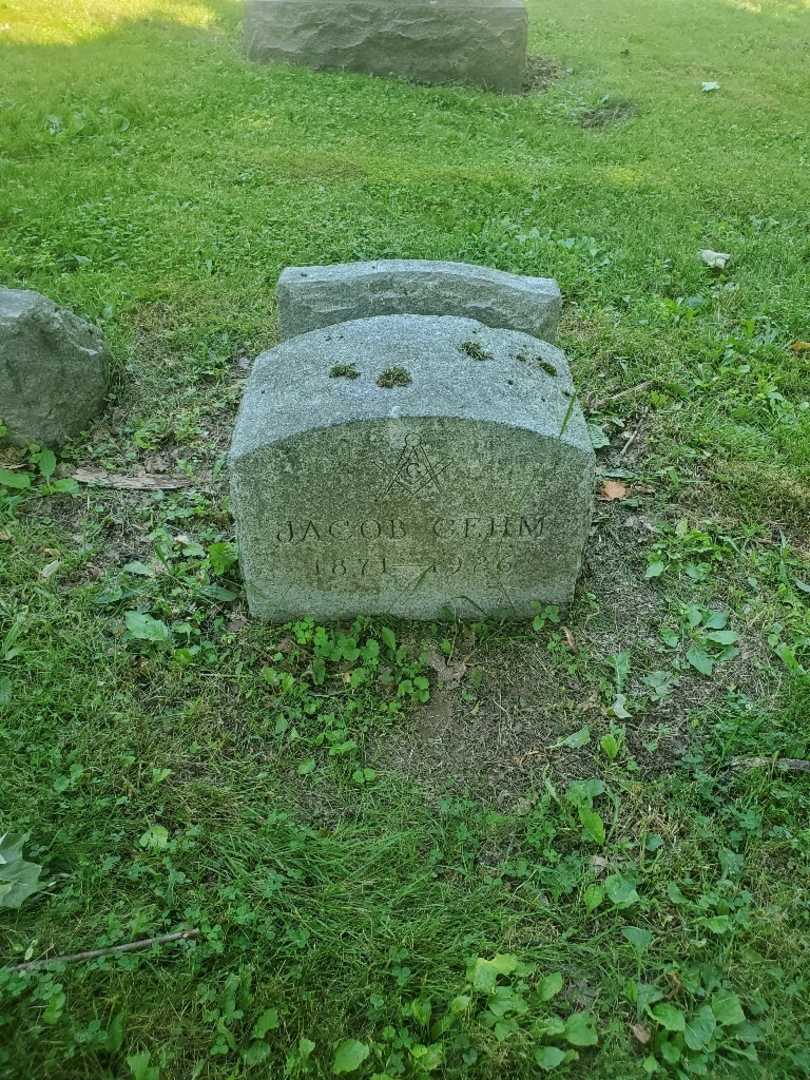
<point>310,297</point>
<point>410,465</point>
<point>483,42</point>
<point>53,370</point>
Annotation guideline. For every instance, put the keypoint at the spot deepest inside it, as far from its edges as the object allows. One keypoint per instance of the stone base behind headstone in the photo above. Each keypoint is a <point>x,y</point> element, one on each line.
<point>411,466</point>
<point>310,297</point>
<point>483,42</point>
<point>53,370</point>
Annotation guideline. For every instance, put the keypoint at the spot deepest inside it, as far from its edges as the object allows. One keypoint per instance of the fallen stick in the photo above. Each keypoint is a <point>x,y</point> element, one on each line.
<point>597,406</point>
<point>785,764</point>
<point>144,482</point>
<point>92,954</point>
<point>634,436</point>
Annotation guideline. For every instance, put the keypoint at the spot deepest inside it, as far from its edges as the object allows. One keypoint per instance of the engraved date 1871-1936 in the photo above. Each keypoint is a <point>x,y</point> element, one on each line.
<point>354,566</point>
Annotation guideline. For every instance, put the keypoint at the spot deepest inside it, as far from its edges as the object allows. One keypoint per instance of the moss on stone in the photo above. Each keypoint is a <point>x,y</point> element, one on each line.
<point>474,350</point>
<point>344,371</point>
<point>394,376</point>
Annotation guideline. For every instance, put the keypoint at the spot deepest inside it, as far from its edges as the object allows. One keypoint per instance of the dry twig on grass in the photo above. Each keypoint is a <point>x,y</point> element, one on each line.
<point>144,482</point>
<point>785,764</point>
<point>93,954</point>
<point>595,406</point>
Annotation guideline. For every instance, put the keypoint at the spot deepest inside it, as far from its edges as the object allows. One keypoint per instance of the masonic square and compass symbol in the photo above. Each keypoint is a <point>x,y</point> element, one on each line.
<point>414,472</point>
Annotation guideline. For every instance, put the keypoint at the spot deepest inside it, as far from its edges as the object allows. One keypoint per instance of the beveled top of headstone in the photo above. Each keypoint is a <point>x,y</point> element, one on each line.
<point>457,368</point>
<point>410,465</point>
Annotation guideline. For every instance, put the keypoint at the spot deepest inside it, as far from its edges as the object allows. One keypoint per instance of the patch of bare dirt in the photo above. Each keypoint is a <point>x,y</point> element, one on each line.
<point>541,72</point>
<point>499,731</point>
<point>608,112</point>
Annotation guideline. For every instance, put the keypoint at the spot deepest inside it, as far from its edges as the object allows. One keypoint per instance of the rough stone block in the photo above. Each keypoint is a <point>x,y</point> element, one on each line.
<point>310,297</point>
<point>410,465</point>
<point>53,370</point>
<point>483,42</point>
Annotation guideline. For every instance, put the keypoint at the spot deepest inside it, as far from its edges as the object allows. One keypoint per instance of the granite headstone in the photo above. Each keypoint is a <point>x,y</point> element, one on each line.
<point>410,465</point>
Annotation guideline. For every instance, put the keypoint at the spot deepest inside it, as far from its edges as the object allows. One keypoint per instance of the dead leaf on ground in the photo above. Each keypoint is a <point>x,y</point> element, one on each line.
<point>4,536</point>
<point>159,463</point>
<point>144,482</point>
<point>638,521</point>
<point>449,674</point>
<point>570,640</point>
<point>641,1033</point>
<point>612,490</point>
<point>590,704</point>
<point>715,260</point>
<point>799,347</point>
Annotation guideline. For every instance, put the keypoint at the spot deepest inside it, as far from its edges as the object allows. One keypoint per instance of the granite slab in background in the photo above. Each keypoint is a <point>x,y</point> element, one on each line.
<point>483,42</point>
<point>310,297</point>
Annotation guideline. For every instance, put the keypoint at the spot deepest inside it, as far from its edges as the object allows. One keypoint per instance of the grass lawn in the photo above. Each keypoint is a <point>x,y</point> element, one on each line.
<point>480,851</point>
